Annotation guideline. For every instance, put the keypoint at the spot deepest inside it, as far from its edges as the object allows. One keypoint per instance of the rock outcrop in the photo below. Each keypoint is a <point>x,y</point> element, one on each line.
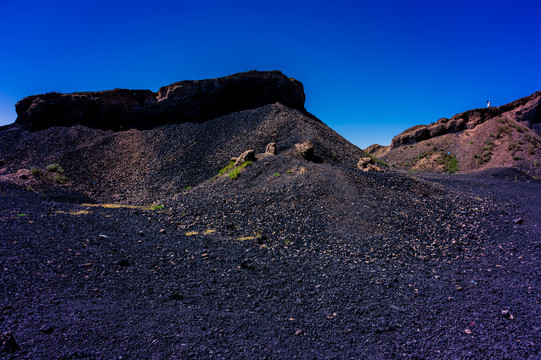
<point>307,152</point>
<point>248,155</point>
<point>185,101</point>
<point>526,111</point>
<point>270,149</point>
<point>367,164</point>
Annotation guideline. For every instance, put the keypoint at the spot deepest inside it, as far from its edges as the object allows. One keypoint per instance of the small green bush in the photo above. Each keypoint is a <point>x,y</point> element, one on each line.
<point>35,171</point>
<point>60,179</point>
<point>276,174</point>
<point>227,169</point>
<point>232,171</point>
<point>54,168</point>
<point>451,165</point>
<point>376,160</point>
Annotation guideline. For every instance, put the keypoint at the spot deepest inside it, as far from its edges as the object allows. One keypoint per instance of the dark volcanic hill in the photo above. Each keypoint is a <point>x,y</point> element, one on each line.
<point>504,136</point>
<point>120,238</point>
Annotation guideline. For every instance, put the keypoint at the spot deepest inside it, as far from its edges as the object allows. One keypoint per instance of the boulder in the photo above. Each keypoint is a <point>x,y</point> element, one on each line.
<point>270,149</point>
<point>184,101</point>
<point>367,164</point>
<point>9,344</point>
<point>306,150</point>
<point>248,155</point>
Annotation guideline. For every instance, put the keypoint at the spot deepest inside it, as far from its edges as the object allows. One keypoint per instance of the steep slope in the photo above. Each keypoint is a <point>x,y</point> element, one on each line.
<point>505,136</point>
<point>148,165</point>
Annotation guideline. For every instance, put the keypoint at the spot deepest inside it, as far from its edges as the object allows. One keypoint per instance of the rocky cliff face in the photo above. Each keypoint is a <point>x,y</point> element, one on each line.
<point>185,101</point>
<point>479,139</point>
<point>526,111</point>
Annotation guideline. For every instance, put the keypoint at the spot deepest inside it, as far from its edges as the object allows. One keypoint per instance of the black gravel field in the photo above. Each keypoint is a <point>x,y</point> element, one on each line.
<point>292,260</point>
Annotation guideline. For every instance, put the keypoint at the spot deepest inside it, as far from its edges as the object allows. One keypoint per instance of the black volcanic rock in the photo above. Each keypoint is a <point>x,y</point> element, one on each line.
<point>185,101</point>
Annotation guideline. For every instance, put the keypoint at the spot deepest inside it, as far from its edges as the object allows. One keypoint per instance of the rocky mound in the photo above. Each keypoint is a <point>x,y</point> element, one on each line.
<point>184,101</point>
<point>145,166</point>
<point>505,136</point>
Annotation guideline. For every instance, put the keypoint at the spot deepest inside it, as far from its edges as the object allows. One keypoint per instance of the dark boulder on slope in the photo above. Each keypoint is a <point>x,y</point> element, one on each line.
<point>184,101</point>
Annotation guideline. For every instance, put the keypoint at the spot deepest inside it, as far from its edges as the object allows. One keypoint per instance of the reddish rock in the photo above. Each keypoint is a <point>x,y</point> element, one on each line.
<point>526,111</point>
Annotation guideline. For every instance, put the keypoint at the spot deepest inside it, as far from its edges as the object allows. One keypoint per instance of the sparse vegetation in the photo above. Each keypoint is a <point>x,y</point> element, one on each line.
<point>376,160</point>
<point>512,146</point>
<point>231,171</point>
<point>451,164</point>
<point>535,163</point>
<point>35,171</point>
<point>276,174</point>
<point>227,169</point>
<point>489,145</point>
<point>186,188</point>
<point>471,142</point>
<point>54,168</point>
<point>502,130</point>
<point>289,171</point>
<point>60,179</point>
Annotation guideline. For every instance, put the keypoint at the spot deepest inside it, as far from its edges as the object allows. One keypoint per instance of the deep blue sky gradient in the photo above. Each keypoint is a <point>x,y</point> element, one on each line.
<point>370,68</point>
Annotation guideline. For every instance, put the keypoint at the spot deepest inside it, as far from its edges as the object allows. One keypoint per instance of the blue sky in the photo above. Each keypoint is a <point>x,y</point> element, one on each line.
<point>370,69</point>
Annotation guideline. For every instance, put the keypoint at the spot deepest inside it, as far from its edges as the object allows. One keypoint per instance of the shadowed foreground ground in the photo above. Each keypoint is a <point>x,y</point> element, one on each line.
<point>379,266</point>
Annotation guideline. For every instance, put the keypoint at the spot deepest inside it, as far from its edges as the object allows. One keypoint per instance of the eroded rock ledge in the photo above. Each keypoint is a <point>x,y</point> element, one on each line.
<point>184,101</point>
<point>526,110</point>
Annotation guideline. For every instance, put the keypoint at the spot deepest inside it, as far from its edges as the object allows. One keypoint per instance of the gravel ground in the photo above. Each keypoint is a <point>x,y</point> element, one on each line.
<point>291,260</point>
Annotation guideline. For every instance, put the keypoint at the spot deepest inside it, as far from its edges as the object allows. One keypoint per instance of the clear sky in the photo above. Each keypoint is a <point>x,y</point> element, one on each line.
<point>370,69</point>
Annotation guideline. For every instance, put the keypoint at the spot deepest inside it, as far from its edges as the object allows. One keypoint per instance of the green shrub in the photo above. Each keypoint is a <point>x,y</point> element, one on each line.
<point>60,179</point>
<point>232,171</point>
<point>376,160</point>
<point>227,169</point>
<point>276,174</point>
<point>35,171</point>
<point>512,146</point>
<point>54,168</point>
<point>451,164</point>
